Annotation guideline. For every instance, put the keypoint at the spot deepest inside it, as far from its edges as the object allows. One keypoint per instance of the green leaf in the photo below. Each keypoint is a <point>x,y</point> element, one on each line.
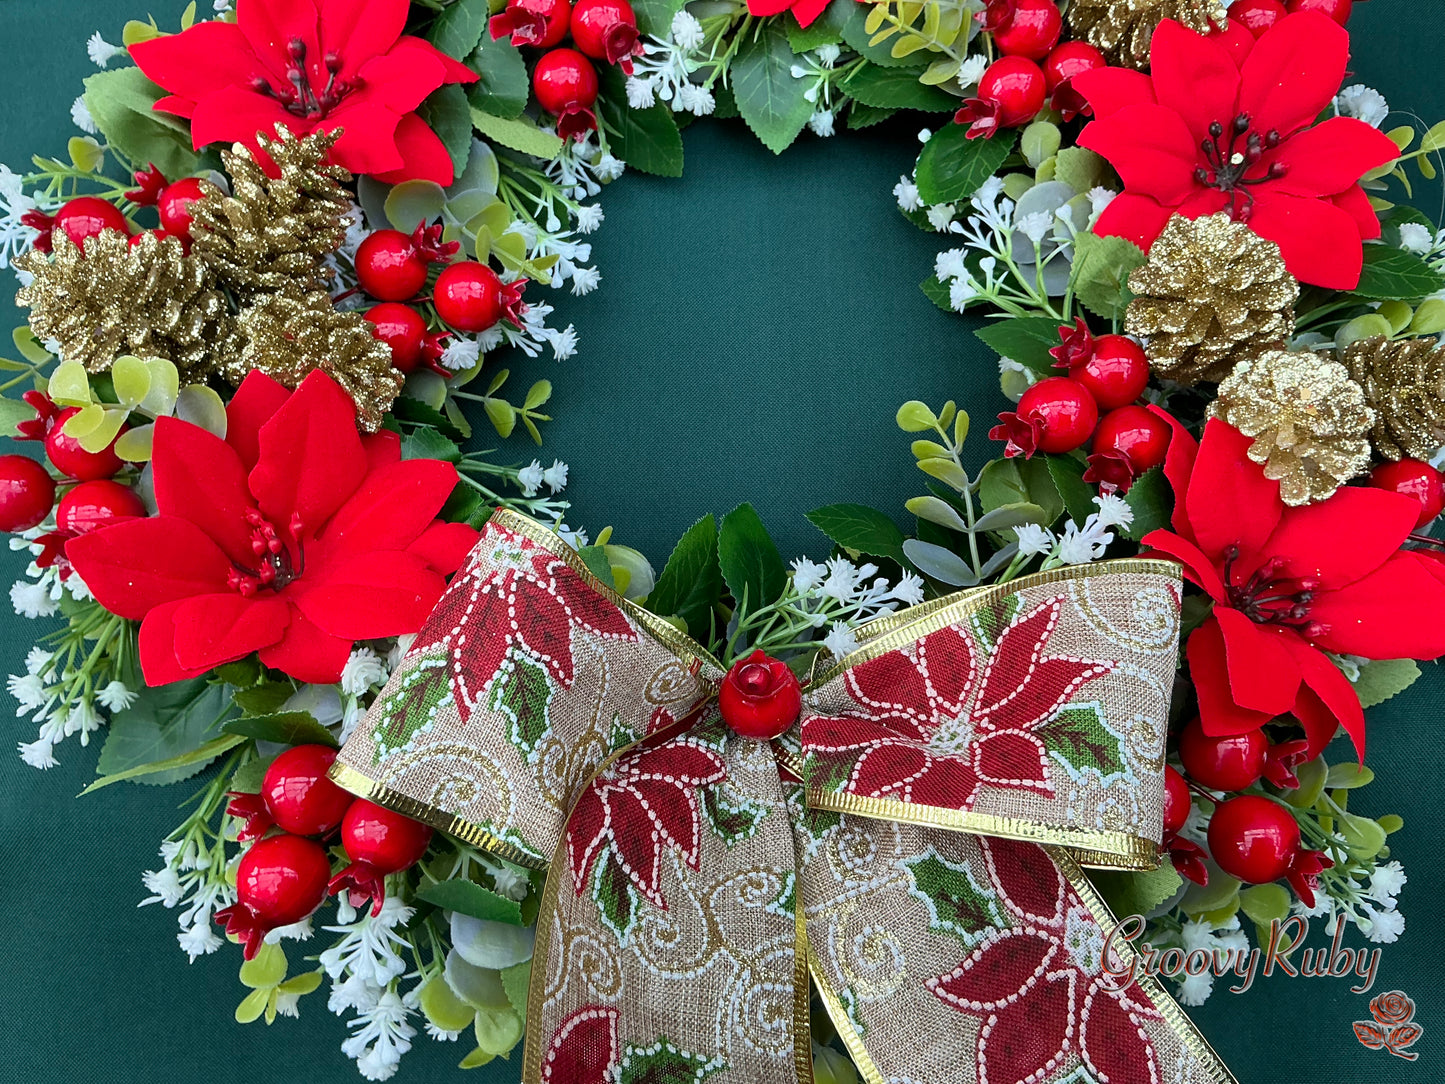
<point>613,893</point>
<point>1381,680</point>
<point>732,821</point>
<point>859,528</point>
<point>663,1063</point>
<point>896,88</point>
<point>446,111</point>
<point>1398,216</point>
<point>263,699</point>
<point>1004,482</point>
<point>248,777</point>
<point>1394,274</point>
<point>827,29</point>
<point>858,39</point>
<point>595,558</point>
<point>769,98</point>
<point>121,103</point>
<point>12,413</point>
<point>1077,494</point>
<point>654,17</point>
<point>501,89</point>
<point>1101,273</point>
<point>691,582</point>
<point>1024,339</point>
<point>520,135</point>
<point>497,1030</point>
<point>169,733</point>
<point>937,292</point>
<point>1007,516</point>
<point>1152,500</point>
<point>1138,893</point>
<point>470,898</point>
<point>1081,169</point>
<point>285,728</point>
<point>524,697</point>
<point>412,706</point>
<point>951,166</point>
<point>424,442</point>
<point>459,27</point>
<point>1265,903</point>
<point>646,139</point>
<point>957,904</point>
<point>1348,776</point>
<point>751,565</point>
<point>865,116</point>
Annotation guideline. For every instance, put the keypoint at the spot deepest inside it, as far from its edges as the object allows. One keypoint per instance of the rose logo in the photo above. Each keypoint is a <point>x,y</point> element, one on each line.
<point>1392,1028</point>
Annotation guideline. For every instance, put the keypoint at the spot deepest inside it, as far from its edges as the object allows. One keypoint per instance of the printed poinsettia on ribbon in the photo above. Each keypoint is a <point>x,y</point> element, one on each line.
<point>701,876</point>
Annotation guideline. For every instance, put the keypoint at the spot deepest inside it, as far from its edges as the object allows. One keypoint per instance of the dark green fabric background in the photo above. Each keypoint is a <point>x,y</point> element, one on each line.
<point>758,324</point>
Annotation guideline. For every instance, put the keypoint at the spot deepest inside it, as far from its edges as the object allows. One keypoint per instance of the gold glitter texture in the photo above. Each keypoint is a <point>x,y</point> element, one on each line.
<point>1122,29</point>
<point>1405,382</point>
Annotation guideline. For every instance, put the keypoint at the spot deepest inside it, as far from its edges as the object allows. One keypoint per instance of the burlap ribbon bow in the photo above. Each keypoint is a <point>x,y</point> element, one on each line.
<point>914,844</point>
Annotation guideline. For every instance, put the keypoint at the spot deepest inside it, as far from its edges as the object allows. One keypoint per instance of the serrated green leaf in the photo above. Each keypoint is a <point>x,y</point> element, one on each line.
<point>12,413</point>
<point>896,88</point>
<point>827,29</point>
<point>1101,273</point>
<point>170,733</point>
<point>1024,339</point>
<point>750,562</point>
<point>1381,680</point>
<point>447,112</point>
<point>1394,274</point>
<point>284,728</point>
<point>459,28</point>
<point>646,139</point>
<point>121,103</point>
<point>768,97</point>
<point>470,898</point>
<point>1081,169</point>
<point>859,528</point>
<point>1068,478</point>
<point>1152,500</point>
<point>424,442</point>
<point>952,167</point>
<point>515,981</point>
<point>520,135</point>
<point>501,87</point>
<point>654,17</point>
<point>691,582</point>
<point>1136,893</point>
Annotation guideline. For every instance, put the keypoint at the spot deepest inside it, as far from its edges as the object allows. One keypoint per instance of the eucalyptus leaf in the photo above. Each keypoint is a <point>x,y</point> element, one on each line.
<point>1010,515</point>
<point>936,510</point>
<point>941,564</point>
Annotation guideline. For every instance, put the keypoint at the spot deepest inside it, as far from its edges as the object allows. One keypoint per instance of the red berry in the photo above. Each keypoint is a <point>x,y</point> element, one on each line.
<point>87,216</point>
<point>532,22</point>
<point>1137,433</point>
<point>389,267</point>
<point>1257,16</point>
<point>1031,31</point>
<point>96,504</point>
<point>70,458</point>
<point>1338,10</point>
<point>760,697</point>
<point>174,206</point>
<point>1070,59</point>
<point>27,493</point>
<point>1176,800</point>
<point>1116,373</point>
<point>298,794</point>
<point>137,238</point>
<point>1253,838</point>
<point>1055,415</point>
<point>378,841</point>
<point>402,328</point>
<point>606,30</point>
<point>1017,85</point>
<point>470,297</point>
<point>1412,478</point>
<point>1228,762</point>
<point>566,85</point>
<point>280,880</point>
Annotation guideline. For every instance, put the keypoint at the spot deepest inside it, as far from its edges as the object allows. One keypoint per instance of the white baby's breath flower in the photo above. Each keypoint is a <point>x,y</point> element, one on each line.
<point>972,69</point>
<point>1383,927</point>
<point>906,193</point>
<point>116,697</point>
<point>1416,238</point>
<point>28,689</point>
<point>908,590</point>
<point>1036,226</point>
<point>1387,880</point>
<point>1114,511</point>
<point>686,30</point>
<point>641,91</point>
<point>198,939</point>
<point>39,753</point>
<point>80,115</point>
<point>1034,539</point>
<point>363,669</point>
<point>949,264</point>
<point>32,600</point>
<point>840,640</point>
<point>555,476</point>
<point>1363,103</point>
<point>589,217</point>
<point>585,280</point>
<point>940,215</point>
<point>530,478</point>
<point>1080,545</point>
<point>100,51</point>
<point>460,354</point>
<point>821,123</point>
<point>807,575</point>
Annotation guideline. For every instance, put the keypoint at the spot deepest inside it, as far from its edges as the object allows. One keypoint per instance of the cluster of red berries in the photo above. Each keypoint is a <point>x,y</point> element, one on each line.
<point>468,296</point>
<point>87,216</point>
<point>1257,16</point>
<point>283,877</point>
<point>1033,68</point>
<point>564,79</point>
<point>1097,401</point>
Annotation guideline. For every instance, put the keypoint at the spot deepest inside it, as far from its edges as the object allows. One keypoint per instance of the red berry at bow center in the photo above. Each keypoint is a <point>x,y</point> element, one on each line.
<point>379,842</point>
<point>1415,479</point>
<point>27,493</point>
<point>566,86</point>
<point>470,296</point>
<point>71,459</point>
<point>280,880</point>
<point>1129,441</point>
<point>1031,29</point>
<point>760,697</point>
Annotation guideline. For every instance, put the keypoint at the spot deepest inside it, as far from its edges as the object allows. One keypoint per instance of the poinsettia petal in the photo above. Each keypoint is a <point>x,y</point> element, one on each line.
<point>948,783</point>
<point>1262,674</point>
<point>586,834</point>
<point>583,1049</point>
<point>1327,700</point>
<point>425,156</point>
<point>367,143</point>
<point>418,52</point>
<point>1011,758</point>
<point>391,508</point>
<point>1209,670</point>
<point>310,457</point>
<point>1005,967</point>
<point>307,653</point>
<point>1135,218</point>
<point>1293,72</point>
<point>947,658</point>
<point>1231,502</point>
<point>255,401</point>
<point>763,9</point>
<point>367,596</point>
<point>1236,39</point>
<point>199,477</point>
<point>1028,1038</point>
<point>674,813</point>
<point>585,606</point>
<point>1340,540</point>
<point>1197,567</point>
<point>403,78</point>
<point>1393,613</point>
<point>885,771</point>
<point>893,683</point>
<point>636,845</point>
<point>1319,242</point>
<point>207,57</point>
<point>1178,463</point>
<point>444,546</point>
<point>215,629</point>
<point>1150,147</point>
<point>1330,157</point>
<point>357,30</point>
<point>839,733</point>
<point>1194,76</point>
<point>1355,202</point>
<point>1113,1042</point>
<point>235,114</point>
<point>157,644</point>
<point>383,448</point>
<point>271,25</point>
<point>678,763</point>
<point>1026,877</point>
<point>137,564</point>
<point>1110,89</point>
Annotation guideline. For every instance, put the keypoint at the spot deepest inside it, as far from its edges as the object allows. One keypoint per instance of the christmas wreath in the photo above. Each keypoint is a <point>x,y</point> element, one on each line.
<point>749,820</point>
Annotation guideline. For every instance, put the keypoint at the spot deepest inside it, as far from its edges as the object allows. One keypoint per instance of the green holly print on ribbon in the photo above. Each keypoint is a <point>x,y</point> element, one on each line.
<point>412,708</point>
<point>1079,740</point>
<point>522,694</point>
<point>956,904</point>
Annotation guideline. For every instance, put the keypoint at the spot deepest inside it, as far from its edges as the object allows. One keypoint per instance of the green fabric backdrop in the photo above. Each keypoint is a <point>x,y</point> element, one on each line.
<point>758,324</point>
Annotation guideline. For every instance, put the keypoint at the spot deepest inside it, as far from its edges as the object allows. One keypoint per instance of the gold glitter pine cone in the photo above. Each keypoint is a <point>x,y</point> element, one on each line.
<point>272,234</point>
<point>1405,382</point>
<point>288,336</point>
<point>1212,294</point>
<point>113,298</point>
<point>1308,419</point>
<point>1122,29</point>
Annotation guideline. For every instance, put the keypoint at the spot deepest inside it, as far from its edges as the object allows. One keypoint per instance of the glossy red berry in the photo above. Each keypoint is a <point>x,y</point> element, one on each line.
<point>1055,415</point>
<point>760,698</point>
<point>137,238</point>
<point>1338,10</point>
<point>566,85</point>
<point>1253,838</point>
<point>87,216</point>
<point>1227,762</point>
<point>606,30</point>
<point>1070,59</point>
<point>470,296</point>
<point>1031,31</point>
<point>73,460</point>
<point>174,206</point>
<point>280,880</point>
<point>532,22</point>
<point>389,267</point>
<point>1010,94</point>
<point>92,505</point>
<point>1116,373</point>
<point>378,841</point>
<point>1176,800</point>
<point>403,329</point>
<point>1136,433</point>
<point>298,794</point>
<point>1257,16</point>
<point>1412,478</point>
<point>26,493</point>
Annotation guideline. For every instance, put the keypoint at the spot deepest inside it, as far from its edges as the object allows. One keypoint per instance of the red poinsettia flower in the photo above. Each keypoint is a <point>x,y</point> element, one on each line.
<point>644,803</point>
<point>535,599</point>
<point>1040,989</point>
<point>309,65</point>
<point>805,11</point>
<point>906,697</point>
<point>294,536</point>
<point>584,1048</point>
<point>1289,584</point>
<point>1202,133</point>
